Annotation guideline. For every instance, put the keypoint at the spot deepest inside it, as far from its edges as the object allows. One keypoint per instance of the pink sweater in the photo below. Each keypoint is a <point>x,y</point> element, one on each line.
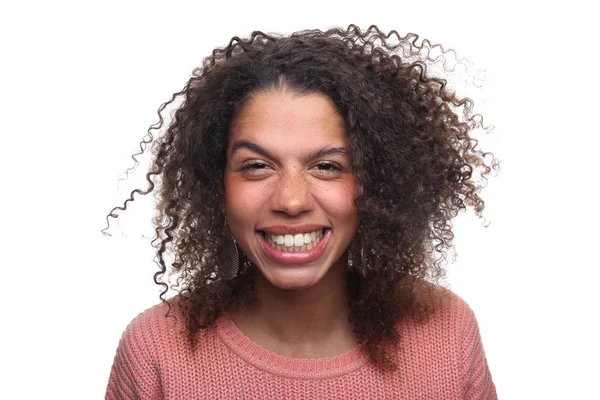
<point>441,359</point>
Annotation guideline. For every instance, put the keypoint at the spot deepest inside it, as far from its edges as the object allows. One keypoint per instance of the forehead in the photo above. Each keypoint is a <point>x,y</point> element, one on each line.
<point>280,118</point>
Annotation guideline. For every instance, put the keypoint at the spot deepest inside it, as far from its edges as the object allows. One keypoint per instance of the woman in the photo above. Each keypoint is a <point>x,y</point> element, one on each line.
<point>306,186</point>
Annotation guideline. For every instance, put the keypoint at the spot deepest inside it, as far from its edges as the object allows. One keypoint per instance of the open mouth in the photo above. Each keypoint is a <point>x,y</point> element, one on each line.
<point>295,243</point>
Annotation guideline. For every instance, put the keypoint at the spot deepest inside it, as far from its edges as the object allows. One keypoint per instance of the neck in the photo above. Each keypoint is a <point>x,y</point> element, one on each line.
<point>300,323</point>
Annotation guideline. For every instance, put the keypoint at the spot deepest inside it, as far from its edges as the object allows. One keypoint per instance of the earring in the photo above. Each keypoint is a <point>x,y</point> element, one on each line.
<point>361,265</point>
<point>363,260</point>
<point>230,270</point>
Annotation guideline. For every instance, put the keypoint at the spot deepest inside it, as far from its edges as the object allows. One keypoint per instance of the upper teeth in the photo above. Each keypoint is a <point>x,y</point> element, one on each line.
<point>299,239</point>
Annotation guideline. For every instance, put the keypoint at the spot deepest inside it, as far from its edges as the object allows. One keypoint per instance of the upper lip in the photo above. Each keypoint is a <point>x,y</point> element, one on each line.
<point>291,229</point>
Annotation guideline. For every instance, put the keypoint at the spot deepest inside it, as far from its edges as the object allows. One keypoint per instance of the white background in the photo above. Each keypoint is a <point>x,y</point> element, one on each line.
<point>81,82</point>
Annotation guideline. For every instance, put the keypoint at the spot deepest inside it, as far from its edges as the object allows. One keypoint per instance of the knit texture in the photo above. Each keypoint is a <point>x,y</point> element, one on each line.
<point>440,359</point>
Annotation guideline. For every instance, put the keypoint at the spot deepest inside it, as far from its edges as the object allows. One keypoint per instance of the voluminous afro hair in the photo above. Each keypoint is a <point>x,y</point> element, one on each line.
<point>411,149</point>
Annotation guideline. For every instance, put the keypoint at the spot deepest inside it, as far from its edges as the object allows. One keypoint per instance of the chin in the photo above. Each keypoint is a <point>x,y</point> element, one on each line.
<point>291,279</point>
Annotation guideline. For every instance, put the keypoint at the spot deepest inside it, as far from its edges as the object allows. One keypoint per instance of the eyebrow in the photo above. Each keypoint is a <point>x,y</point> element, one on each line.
<point>324,152</point>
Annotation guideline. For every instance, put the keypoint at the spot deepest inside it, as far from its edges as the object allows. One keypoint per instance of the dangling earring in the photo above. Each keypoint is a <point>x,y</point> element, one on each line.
<point>361,265</point>
<point>363,259</point>
<point>230,270</point>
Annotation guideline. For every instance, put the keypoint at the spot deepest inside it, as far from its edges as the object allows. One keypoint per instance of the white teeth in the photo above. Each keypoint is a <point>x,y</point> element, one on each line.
<point>297,242</point>
<point>288,240</point>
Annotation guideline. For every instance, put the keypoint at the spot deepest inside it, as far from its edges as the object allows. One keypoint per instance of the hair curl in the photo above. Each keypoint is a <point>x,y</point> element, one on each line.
<point>411,150</point>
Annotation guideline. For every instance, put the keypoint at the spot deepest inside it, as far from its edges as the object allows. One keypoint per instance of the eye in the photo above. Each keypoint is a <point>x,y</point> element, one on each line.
<point>328,168</point>
<point>254,169</point>
<point>253,166</point>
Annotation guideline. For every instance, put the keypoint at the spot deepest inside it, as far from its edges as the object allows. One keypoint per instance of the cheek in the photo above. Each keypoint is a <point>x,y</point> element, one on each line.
<point>338,202</point>
<point>243,201</point>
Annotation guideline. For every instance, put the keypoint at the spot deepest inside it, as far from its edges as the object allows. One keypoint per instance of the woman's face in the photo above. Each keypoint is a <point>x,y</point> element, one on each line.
<point>289,187</point>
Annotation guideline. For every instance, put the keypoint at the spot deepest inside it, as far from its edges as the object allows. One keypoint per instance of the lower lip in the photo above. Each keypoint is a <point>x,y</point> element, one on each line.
<point>300,257</point>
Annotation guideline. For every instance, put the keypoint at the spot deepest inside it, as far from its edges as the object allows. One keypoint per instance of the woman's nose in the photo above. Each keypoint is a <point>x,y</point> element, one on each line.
<point>292,195</point>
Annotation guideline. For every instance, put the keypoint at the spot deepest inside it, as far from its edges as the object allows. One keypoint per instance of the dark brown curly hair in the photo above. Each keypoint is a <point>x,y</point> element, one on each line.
<point>411,149</point>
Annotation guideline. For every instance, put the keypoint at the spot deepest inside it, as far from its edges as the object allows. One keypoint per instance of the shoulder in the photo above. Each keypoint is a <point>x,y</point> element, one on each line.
<point>451,305</point>
<point>457,311</point>
<point>136,368</point>
<point>446,312</point>
<point>153,351</point>
<point>151,330</point>
<point>447,344</point>
<point>455,322</point>
<point>153,317</point>
<point>162,318</point>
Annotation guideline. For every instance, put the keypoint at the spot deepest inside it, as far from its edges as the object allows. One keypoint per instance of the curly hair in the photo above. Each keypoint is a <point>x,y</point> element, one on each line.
<point>411,150</point>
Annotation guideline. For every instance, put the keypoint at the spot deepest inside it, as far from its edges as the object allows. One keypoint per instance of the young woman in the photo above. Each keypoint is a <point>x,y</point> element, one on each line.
<point>306,186</point>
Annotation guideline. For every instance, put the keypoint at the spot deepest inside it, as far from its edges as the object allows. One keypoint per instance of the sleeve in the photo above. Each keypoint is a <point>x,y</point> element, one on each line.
<point>134,374</point>
<point>475,374</point>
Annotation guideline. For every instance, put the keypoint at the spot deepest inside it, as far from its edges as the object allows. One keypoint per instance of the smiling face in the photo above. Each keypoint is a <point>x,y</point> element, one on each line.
<point>289,187</point>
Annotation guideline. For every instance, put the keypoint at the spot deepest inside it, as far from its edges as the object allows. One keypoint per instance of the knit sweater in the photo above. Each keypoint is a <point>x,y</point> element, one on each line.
<point>442,358</point>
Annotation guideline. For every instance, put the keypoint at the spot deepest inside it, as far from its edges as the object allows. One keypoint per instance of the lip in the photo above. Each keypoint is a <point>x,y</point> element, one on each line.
<point>300,257</point>
<point>291,229</point>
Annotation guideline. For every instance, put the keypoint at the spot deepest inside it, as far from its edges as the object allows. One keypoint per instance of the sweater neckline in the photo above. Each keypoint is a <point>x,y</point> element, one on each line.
<point>289,367</point>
